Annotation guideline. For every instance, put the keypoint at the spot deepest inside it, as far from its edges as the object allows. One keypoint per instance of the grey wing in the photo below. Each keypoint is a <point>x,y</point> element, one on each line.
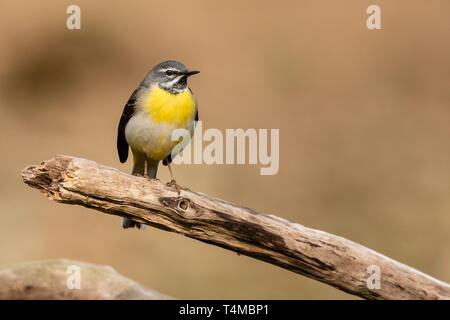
<point>169,158</point>
<point>128,111</point>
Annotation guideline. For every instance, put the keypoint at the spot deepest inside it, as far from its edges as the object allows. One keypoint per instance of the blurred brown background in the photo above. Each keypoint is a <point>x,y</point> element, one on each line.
<point>363,117</point>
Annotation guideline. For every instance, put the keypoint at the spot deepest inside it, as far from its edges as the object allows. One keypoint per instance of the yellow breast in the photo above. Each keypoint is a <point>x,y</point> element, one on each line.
<point>165,107</point>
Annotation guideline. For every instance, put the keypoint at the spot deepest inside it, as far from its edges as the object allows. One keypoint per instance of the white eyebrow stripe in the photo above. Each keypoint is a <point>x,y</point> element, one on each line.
<point>168,69</point>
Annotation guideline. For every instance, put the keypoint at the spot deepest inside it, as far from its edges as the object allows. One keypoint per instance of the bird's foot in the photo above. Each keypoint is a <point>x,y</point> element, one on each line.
<point>152,179</point>
<point>174,184</point>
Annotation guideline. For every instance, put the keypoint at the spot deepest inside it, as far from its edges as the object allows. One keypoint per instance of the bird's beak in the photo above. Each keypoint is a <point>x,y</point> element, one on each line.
<point>191,72</point>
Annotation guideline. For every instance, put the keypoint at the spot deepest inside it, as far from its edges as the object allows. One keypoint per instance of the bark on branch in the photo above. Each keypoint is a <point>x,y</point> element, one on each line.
<point>49,280</point>
<point>316,254</point>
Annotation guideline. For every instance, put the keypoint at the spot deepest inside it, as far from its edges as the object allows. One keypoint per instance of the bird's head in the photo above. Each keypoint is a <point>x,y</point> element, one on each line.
<point>169,75</point>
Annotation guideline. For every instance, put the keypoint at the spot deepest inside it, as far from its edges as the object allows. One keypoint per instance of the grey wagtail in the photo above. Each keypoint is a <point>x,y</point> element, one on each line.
<point>161,104</point>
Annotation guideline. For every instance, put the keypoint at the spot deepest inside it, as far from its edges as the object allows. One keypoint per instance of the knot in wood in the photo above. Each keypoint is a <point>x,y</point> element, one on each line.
<point>184,207</point>
<point>183,204</point>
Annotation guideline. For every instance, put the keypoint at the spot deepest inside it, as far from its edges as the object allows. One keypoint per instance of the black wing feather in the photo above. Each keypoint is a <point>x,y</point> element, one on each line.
<point>128,111</point>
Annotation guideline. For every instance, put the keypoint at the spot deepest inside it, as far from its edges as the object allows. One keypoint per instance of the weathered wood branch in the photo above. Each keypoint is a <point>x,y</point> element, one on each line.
<point>316,254</point>
<point>49,280</point>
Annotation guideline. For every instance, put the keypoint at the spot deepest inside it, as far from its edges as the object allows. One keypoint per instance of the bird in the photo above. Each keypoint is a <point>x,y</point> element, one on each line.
<point>161,103</point>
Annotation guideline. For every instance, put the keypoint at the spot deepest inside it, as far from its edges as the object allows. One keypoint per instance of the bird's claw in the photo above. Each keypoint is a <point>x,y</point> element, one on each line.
<point>174,184</point>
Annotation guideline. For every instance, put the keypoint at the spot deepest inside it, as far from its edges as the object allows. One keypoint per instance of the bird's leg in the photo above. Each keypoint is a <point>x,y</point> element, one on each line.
<point>173,182</point>
<point>171,174</point>
<point>152,169</point>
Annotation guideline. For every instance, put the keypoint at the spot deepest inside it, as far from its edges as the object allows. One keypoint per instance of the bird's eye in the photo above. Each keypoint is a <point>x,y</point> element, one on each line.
<point>170,73</point>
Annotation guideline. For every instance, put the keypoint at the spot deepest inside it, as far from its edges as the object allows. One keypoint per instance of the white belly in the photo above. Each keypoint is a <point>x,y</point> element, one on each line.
<point>152,139</point>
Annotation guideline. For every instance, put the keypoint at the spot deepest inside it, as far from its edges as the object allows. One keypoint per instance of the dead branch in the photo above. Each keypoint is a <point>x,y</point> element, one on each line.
<point>316,254</point>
